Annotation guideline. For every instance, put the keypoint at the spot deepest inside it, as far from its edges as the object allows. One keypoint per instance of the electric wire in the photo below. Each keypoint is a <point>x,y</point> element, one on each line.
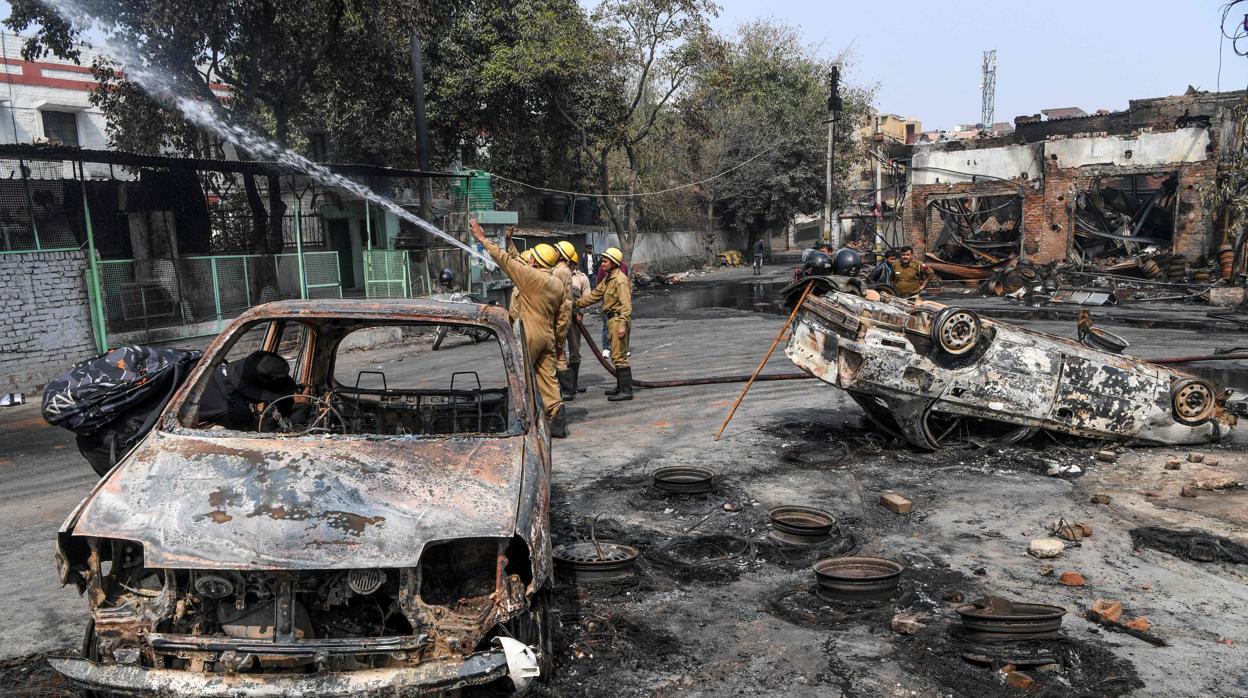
<point>642,193</point>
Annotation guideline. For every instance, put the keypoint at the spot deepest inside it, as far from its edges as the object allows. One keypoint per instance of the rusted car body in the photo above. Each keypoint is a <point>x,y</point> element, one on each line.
<point>339,562</point>
<point>939,376</point>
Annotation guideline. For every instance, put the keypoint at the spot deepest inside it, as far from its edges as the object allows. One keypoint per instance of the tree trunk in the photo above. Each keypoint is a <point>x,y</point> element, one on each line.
<point>277,212</point>
<point>710,232</point>
<point>629,240</point>
<point>259,217</point>
<point>604,184</point>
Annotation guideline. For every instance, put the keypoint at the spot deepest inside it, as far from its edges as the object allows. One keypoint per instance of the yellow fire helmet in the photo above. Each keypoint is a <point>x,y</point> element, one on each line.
<point>527,256</point>
<point>568,252</point>
<point>614,254</point>
<point>546,255</point>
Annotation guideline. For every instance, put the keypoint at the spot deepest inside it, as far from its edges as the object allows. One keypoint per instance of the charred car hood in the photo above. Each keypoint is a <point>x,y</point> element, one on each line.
<point>304,503</point>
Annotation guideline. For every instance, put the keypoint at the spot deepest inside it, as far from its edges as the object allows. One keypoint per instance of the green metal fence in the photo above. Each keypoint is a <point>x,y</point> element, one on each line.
<point>387,274</point>
<point>163,299</point>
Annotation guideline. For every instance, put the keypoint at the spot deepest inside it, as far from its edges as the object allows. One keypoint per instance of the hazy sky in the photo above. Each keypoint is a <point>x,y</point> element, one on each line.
<point>926,56</point>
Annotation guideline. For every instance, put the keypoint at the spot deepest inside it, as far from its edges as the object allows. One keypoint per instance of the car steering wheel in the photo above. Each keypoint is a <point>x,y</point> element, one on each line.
<point>320,409</point>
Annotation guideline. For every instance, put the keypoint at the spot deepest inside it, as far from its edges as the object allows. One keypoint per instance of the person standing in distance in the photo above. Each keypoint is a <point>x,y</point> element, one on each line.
<point>615,292</point>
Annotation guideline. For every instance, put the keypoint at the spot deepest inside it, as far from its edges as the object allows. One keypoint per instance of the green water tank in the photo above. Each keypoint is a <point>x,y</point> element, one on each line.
<point>473,193</point>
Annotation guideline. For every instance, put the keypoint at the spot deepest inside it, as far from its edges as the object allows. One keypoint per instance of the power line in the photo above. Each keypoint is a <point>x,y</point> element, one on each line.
<point>639,194</point>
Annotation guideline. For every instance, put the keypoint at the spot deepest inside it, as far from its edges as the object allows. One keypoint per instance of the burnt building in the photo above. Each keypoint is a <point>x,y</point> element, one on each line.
<point>1076,187</point>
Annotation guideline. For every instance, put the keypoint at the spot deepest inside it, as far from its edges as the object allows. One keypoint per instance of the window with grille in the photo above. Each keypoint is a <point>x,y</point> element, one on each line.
<point>61,126</point>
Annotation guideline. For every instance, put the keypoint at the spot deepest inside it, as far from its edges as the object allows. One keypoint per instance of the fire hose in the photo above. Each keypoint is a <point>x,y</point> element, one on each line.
<point>709,380</point>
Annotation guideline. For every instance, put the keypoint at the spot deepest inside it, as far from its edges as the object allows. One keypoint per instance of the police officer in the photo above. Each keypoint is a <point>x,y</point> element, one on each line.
<point>839,274</point>
<point>910,276</point>
<point>615,292</point>
<point>536,302</point>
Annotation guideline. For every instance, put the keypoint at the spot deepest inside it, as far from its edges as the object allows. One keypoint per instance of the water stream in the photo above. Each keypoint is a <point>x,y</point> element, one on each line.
<point>166,89</point>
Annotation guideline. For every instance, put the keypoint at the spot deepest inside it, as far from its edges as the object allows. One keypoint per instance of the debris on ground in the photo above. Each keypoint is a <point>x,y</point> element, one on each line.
<point>1219,482</point>
<point>1106,456</point>
<point>896,503</point>
<point>907,623</point>
<point>1071,579</point>
<point>1109,614</point>
<point>1101,499</point>
<point>1195,457</point>
<point>1071,530</point>
<point>1106,610</point>
<point>1195,545</point>
<point>1173,464</point>
<point>1046,548</point>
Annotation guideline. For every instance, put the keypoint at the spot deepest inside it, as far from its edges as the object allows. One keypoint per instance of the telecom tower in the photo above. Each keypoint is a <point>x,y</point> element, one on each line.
<point>989,86</point>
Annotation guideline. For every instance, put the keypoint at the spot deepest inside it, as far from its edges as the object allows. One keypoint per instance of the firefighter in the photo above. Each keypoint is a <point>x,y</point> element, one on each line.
<point>615,292</point>
<point>563,271</point>
<point>537,302</point>
<point>579,287</point>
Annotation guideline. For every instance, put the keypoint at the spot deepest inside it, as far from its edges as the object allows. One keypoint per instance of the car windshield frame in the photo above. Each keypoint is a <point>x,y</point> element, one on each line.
<point>178,412</point>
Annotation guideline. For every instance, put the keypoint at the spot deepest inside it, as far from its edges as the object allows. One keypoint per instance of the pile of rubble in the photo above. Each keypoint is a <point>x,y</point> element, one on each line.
<point>1149,276</point>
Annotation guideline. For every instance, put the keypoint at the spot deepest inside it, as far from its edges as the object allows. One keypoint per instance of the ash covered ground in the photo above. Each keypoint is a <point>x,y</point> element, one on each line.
<point>749,623</point>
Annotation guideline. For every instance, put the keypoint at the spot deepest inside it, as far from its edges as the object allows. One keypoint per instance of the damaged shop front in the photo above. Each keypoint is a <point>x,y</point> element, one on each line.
<point>1115,193</point>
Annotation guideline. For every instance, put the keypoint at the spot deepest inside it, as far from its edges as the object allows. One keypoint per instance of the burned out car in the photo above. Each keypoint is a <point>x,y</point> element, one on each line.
<point>939,376</point>
<point>386,533</point>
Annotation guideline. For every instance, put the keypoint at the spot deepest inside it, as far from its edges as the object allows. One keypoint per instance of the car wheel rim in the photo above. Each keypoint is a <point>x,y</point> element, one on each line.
<point>1192,401</point>
<point>958,332</point>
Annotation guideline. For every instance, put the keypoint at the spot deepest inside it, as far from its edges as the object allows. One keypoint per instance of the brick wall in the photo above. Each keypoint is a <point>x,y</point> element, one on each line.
<point>45,320</point>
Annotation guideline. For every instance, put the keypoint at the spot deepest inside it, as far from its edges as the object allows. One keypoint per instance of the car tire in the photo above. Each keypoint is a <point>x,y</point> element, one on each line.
<point>956,331</point>
<point>91,651</point>
<point>1192,401</point>
<point>533,629</point>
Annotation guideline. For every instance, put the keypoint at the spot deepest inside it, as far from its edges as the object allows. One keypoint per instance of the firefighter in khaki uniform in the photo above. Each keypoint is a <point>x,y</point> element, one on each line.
<point>580,287</point>
<point>536,303</point>
<point>563,271</point>
<point>616,293</point>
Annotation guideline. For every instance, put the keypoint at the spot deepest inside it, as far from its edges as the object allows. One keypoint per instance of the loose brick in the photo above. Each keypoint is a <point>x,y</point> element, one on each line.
<point>1107,609</point>
<point>896,503</point>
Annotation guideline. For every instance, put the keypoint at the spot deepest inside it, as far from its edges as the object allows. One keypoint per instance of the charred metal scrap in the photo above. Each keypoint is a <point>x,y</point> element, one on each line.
<point>939,376</point>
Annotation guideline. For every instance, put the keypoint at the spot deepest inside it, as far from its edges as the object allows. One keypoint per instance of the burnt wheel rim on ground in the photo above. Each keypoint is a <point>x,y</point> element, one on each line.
<point>590,561</point>
<point>683,479</point>
<point>1007,620</point>
<point>857,578</point>
<point>799,525</point>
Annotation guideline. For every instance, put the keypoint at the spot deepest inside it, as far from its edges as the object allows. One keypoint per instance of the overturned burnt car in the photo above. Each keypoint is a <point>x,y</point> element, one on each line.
<point>940,376</point>
<point>382,529</point>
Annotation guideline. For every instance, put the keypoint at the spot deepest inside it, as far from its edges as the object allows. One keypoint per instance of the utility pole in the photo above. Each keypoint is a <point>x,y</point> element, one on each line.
<point>422,129</point>
<point>835,104</point>
<point>879,185</point>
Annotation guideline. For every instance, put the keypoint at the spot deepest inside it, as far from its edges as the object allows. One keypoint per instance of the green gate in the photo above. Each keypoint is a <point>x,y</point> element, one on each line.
<point>386,274</point>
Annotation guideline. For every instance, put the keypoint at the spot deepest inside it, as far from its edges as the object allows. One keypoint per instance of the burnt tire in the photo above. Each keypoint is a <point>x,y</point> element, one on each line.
<point>956,331</point>
<point>1192,401</point>
<point>91,651</point>
<point>533,629</point>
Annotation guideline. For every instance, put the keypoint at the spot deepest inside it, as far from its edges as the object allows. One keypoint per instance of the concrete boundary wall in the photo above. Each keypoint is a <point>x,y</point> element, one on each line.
<point>45,318</point>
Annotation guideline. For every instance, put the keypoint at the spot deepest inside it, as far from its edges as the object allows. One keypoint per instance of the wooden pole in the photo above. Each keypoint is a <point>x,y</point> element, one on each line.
<point>763,363</point>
